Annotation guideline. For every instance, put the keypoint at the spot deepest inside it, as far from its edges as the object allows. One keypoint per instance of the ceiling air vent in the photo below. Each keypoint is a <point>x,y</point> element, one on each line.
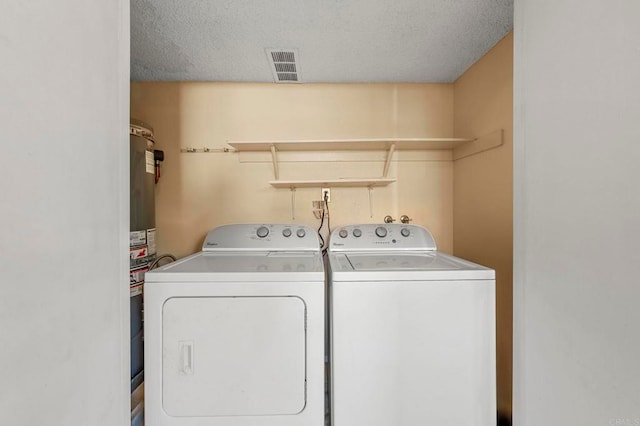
<point>283,65</point>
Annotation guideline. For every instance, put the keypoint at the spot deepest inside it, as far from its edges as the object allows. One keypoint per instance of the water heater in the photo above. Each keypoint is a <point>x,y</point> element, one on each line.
<point>142,235</point>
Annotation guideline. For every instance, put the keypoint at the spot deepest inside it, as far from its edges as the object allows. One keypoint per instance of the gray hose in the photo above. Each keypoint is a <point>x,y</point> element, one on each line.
<point>154,264</point>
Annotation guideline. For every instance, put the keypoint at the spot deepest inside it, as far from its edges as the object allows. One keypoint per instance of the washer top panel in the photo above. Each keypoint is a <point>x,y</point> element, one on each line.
<point>381,237</point>
<point>262,237</point>
<point>404,266</point>
<point>395,252</point>
<point>404,262</point>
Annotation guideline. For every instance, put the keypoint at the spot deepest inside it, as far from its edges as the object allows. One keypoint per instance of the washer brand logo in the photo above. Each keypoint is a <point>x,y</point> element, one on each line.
<point>338,244</point>
<point>212,244</point>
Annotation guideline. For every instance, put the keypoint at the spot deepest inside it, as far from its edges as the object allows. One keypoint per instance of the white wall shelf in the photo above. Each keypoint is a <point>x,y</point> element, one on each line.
<point>389,145</point>
<point>414,144</point>
<point>460,147</point>
<point>319,183</point>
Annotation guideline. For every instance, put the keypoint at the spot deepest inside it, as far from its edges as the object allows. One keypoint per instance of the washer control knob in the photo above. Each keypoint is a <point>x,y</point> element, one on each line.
<point>357,233</point>
<point>343,233</point>
<point>381,231</point>
<point>286,232</point>
<point>262,232</point>
<point>301,233</point>
<point>405,232</point>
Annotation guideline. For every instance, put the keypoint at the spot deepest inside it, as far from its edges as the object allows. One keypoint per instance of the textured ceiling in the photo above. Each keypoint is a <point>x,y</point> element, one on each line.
<point>431,41</point>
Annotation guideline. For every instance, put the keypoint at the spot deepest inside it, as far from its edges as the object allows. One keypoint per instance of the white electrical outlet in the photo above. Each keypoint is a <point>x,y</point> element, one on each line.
<point>318,208</point>
<point>326,191</point>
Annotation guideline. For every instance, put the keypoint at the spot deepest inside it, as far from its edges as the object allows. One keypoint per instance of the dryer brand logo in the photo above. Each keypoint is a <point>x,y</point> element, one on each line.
<point>211,244</point>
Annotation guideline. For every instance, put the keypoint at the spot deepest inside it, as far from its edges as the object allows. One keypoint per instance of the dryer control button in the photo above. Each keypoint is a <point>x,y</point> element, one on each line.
<point>343,233</point>
<point>262,232</point>
<point>286,232</point>
<point>381,231</point>
<point>405,232</point>
<point>301,233</point>
<point>357,233</point>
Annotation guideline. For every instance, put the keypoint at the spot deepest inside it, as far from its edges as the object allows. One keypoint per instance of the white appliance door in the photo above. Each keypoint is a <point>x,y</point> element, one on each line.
<point>233,356</point>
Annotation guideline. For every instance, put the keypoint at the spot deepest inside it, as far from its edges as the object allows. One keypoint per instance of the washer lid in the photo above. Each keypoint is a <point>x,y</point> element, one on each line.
<point>403,262</point>
<point>404,266</point>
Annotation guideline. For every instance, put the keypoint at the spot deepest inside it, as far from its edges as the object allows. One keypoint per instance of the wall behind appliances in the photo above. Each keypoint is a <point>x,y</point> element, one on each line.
<point>198,192</point>
<point>576,213</point>
<point>483,188</point>
<point>64,331</point>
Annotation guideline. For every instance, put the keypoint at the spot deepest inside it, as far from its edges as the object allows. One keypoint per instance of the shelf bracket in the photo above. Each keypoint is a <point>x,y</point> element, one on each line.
<point>371,201</point>
<point>385,172</point>
<point>479,144</point>
<point>293,203</point>
<point>274,157</point>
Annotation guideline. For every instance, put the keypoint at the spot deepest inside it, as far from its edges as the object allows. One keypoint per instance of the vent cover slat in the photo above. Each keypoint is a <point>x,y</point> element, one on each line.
<point>283,65</point>
<point>287,76</point>
<point>283,56</point>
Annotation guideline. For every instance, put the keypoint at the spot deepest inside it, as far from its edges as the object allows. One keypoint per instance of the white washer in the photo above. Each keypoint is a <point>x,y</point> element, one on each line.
<point>412,331</point>
<point>234,334</point>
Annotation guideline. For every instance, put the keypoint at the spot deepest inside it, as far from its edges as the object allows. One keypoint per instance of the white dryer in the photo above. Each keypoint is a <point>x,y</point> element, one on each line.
<point>412,331</point>
<point>234,334</point>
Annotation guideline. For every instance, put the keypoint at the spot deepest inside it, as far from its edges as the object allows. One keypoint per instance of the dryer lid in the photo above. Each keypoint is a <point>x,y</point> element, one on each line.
<point>241,266</point>
<point>249,262</point>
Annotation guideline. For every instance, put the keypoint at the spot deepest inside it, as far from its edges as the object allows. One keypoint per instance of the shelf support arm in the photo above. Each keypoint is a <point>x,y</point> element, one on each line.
<point>392,148</point>
<point>274,157</point>
<point>293,203</point>
<point>371,201</point>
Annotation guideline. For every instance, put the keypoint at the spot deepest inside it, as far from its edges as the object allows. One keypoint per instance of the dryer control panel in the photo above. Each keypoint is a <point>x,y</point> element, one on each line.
<point>262,237</point>
<point>387,236</point>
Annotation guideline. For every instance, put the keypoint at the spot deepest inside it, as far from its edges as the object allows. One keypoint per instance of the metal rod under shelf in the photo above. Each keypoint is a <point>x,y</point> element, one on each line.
<point>205,150</point>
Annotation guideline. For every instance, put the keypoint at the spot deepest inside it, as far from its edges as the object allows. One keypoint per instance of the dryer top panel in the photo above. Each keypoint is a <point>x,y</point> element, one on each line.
<point>241,266</point>
<point>262,237</point>
<point>381,237</point>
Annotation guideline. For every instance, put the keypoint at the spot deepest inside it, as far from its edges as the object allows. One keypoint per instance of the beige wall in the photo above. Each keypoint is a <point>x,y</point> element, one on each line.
<point>198,192</point>
<point>483,194</point>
